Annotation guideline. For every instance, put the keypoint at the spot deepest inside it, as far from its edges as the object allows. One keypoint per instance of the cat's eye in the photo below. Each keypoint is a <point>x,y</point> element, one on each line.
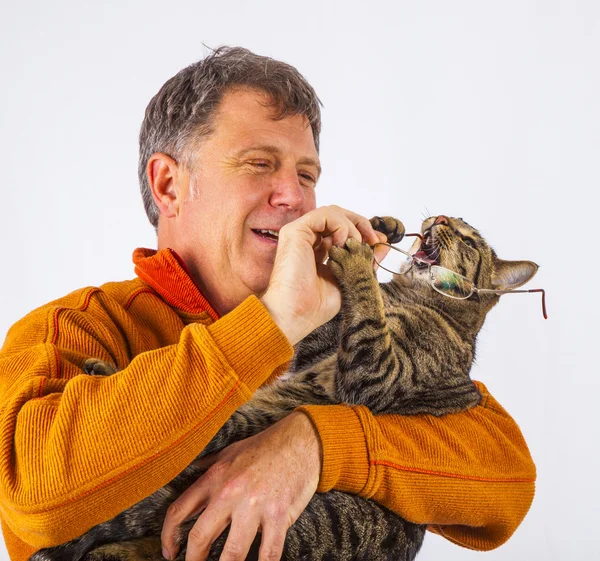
<point>469,242</point>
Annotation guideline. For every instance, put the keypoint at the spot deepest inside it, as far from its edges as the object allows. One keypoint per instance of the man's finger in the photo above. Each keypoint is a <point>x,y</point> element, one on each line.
<point>240,538</point>
<point>343,232</point>
<point>272,541</point>
<point>380,251</point>
<point>191,502</point>
<point>322,250</point>
<point>206,461</point>
<point>381,237</point>
<point>209,526</point>
<point>331,221</point>
<point>364,226</point>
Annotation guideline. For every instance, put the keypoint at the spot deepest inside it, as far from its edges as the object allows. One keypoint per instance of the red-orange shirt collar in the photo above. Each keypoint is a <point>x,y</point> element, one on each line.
<point>166,273</point>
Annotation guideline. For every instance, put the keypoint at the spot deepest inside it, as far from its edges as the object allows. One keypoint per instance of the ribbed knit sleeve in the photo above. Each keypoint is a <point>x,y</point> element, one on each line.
<point>468,475</point>
<point>76,449</point>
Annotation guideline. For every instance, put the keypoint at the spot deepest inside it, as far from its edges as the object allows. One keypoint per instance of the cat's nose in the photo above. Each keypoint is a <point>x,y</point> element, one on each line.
<point>441,219</point>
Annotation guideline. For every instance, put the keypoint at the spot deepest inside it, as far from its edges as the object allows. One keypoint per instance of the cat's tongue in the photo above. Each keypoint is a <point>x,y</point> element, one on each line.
<point>424,257</point>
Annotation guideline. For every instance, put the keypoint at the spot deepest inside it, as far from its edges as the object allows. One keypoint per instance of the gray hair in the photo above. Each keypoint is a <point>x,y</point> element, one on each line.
<point>183,111</point>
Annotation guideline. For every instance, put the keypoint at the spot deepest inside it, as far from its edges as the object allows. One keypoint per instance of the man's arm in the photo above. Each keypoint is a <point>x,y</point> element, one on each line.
<point>468,475</point>
<point>76,450</point>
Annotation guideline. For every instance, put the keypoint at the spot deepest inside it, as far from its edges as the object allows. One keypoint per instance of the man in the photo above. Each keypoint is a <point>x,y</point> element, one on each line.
<point>228,168</point>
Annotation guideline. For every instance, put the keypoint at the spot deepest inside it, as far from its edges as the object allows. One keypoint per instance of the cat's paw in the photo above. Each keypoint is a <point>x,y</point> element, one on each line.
<point>391,227</point>
<point>350,263</point>
<point>97,367</point>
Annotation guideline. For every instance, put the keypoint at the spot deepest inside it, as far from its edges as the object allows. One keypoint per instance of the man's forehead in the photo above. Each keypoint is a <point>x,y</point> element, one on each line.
<point>247,102</point>
<point>247,118</point>
<point>253,106</point>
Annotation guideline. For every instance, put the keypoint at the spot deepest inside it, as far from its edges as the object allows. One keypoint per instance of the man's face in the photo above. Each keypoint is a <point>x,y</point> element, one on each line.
<point>252,174</point>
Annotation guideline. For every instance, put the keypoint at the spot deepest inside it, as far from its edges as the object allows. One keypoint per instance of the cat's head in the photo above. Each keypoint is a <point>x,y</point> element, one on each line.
<point>455,245</point>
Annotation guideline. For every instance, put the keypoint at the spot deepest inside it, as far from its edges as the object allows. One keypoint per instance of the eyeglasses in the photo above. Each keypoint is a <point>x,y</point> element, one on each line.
<point>442,280</point>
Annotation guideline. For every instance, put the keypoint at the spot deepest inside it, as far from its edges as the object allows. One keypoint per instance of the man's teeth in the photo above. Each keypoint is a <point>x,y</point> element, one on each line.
<point>272,232</point>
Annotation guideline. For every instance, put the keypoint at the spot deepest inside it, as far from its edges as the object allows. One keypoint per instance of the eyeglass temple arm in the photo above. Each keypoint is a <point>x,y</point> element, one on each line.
<point>415,235</point>
<point>521,291</point>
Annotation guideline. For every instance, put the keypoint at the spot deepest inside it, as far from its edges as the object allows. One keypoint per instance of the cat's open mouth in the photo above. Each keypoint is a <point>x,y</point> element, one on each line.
<point>429,252</point>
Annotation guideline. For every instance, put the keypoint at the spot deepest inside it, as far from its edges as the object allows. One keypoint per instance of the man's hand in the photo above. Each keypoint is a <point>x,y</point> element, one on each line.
<point>302,294</point>
<point>262,484</point>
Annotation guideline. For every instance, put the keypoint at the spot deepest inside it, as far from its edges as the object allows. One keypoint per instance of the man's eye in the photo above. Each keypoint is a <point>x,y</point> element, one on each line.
<point>260,164</point>
<point>307,176</point>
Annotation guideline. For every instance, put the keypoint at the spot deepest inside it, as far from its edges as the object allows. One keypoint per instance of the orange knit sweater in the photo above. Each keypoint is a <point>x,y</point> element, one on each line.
<point>75,450</point>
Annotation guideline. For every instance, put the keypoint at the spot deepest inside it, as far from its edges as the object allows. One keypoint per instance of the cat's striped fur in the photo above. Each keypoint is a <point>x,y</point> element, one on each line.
<point>396,348</point>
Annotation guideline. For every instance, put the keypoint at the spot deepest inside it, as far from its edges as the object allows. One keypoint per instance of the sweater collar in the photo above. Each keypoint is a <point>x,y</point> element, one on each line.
<point>166,273</point>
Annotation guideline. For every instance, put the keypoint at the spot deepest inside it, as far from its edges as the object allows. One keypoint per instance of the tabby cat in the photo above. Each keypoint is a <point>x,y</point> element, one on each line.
<point>399,347</point>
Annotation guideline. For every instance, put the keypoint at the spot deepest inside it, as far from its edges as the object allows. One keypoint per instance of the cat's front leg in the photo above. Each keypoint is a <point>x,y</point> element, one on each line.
<point>364,357</point>
<point>352,267</point>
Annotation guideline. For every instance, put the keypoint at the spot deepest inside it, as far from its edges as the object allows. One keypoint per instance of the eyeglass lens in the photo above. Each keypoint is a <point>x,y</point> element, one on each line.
<point>450,283</point>
<point>396,262</point>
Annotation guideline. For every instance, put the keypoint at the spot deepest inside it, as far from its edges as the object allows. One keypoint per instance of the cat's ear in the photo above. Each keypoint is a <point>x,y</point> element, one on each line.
<point>512,274</point>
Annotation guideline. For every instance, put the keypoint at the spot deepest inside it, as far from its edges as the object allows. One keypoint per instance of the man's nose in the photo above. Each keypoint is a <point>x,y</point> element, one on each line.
<point>287,190</point>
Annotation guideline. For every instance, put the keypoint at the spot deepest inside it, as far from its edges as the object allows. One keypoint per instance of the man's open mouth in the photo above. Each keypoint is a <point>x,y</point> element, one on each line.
<point>428,253</point>
<point>267,234</point>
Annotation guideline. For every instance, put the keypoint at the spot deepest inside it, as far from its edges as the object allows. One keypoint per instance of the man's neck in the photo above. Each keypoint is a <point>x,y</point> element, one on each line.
<point>222,293</point>
<point>213,289</point>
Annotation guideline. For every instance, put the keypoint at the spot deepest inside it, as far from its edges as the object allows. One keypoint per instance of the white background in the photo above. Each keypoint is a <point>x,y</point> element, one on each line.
<point>484,110</point>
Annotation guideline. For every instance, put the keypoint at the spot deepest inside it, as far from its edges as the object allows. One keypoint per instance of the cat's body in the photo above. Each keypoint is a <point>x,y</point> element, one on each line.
<point>400,348</point>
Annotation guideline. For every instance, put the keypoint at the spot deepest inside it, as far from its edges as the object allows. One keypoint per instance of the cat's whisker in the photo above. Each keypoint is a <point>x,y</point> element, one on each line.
<point>437,251</point>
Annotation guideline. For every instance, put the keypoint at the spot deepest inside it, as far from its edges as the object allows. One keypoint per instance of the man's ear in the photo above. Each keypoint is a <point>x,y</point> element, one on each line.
<point>512,274</point>
<point>164,175</point>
